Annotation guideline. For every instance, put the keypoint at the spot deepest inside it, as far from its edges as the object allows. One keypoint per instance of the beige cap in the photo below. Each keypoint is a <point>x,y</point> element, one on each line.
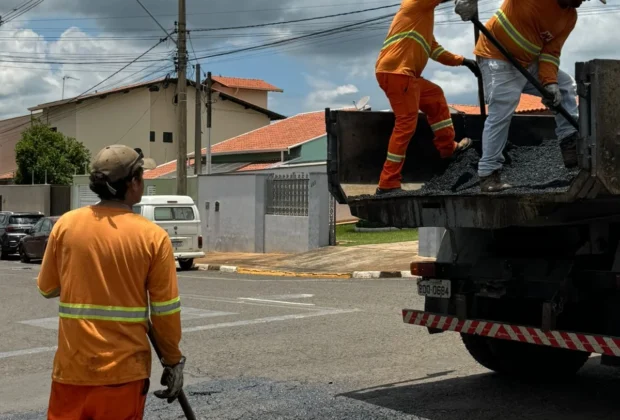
<point>117,162</point>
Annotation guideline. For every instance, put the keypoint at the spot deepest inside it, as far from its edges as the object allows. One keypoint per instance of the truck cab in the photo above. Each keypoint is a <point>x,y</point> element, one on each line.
<point>179,216</point>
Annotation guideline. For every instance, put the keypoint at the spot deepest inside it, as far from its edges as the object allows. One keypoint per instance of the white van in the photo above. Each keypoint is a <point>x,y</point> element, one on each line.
<point>179,216</point>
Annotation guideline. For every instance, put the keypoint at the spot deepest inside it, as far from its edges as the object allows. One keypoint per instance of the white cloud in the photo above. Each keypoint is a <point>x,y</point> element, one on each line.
<point>327,94</point>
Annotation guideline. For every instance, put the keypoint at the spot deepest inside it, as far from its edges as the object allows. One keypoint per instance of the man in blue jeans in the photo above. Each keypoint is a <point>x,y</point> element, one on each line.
<point>534,32</point>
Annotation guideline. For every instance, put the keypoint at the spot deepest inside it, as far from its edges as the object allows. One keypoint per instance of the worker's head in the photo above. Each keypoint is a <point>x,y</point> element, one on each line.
<point>117,174</point>
<point>574,3</point>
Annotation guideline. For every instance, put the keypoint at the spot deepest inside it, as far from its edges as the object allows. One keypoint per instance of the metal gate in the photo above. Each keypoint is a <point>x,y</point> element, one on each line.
<point>83,196</point>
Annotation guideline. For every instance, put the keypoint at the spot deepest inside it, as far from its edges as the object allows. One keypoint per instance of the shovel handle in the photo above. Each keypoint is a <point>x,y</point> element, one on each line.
<point>533,80</point>
<point>187,409</point>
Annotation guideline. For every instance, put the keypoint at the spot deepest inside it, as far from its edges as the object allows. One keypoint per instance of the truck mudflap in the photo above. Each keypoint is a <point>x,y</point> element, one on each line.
<point>605,345</point>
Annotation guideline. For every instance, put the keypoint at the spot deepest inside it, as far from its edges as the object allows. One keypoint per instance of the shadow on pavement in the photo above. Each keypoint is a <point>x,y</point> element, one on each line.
<point>593,394</point>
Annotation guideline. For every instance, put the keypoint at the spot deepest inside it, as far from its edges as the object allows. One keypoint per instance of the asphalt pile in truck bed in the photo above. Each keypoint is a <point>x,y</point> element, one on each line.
<point>532,170</point>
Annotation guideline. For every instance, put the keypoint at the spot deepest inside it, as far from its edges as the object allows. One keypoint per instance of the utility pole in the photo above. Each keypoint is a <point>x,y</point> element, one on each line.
<point>209,113</point>
<point>198,132</point>
<point>63,84</point>
<point>182,103</point>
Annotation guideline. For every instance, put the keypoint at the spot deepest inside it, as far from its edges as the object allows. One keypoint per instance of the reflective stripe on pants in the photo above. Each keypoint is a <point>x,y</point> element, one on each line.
<point>503,85</point>
<point>408,95</point>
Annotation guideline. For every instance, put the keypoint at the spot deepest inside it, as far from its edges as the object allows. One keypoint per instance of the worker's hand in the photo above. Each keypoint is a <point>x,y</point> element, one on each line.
<point>173,379</point>
<point>473,66</point>
<point>466,9</point>
<point>554,90</point>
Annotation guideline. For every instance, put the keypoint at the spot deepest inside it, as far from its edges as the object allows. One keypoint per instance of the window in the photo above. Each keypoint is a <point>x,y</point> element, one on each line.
<point>167,137</point>
<point>37,227</point>
<point>47,226</point>
<point>152,137</point>
<point>24,220</point>
<point>164,214</point>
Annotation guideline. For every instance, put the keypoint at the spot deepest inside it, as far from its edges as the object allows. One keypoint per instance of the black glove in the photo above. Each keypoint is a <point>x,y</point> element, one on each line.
<point>473,66</point>
<point>173,379</point>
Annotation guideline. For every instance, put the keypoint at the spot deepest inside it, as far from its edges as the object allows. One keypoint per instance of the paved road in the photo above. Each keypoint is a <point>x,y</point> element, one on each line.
<point>266,348</point>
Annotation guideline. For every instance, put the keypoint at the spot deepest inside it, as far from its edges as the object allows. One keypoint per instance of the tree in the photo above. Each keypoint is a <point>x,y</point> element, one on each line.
<point>40,149</point>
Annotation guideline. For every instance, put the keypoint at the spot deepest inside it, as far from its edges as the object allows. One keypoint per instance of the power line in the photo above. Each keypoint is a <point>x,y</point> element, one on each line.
<point>262,25</point>
<point>156,21</point>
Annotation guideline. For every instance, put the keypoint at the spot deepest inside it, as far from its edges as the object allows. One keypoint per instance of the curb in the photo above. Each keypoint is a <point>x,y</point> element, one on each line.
<point>281,273</point>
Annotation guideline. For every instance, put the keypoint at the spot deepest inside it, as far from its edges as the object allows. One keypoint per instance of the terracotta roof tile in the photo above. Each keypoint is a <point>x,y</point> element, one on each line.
<point>256,166</point>
<point>277,136</point>
<point>237,82</point>
<point>528,103</point>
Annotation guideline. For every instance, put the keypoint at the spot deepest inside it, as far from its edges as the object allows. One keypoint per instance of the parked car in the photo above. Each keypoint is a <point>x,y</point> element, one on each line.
<point>177,215</point>
<point>32,245</point>
<point>13,227</point>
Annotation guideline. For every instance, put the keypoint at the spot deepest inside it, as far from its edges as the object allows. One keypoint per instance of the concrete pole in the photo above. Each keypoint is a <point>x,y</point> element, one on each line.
<point>182,103</point>
<point>198,129</point>
<point>209,114</point>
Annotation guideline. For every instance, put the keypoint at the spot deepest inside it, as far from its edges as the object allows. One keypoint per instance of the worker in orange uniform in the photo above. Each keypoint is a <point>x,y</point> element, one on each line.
<point>403,57</point>
<point>534,33</point>
<point>109,266</point>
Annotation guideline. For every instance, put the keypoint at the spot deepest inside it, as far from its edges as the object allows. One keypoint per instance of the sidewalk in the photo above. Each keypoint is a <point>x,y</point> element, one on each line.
<point>364,261</point>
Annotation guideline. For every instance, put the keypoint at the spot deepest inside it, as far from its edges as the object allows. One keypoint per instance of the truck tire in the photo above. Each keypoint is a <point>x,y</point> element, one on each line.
<point>186,263</point>
<point>522,359</point>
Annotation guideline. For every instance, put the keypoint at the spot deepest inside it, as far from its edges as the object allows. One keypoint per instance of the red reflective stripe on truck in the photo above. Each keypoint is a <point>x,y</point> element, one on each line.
<point>562,339</point>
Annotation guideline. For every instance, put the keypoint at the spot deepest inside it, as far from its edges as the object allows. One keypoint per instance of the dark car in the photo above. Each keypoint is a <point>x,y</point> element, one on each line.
<point>32,246</point>
<point>13,227</point>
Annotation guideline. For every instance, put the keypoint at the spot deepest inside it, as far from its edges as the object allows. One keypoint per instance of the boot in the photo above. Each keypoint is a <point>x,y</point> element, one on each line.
<point>568,146</point>
<point>387,191</point>
<point>493,183</point>
<point>463,145</point>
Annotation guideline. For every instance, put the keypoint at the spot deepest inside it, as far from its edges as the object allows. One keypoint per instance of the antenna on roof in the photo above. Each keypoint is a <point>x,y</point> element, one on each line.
<point>361,105</point>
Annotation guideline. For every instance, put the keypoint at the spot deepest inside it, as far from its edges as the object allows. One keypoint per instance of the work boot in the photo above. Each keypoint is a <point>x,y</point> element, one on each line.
<point>493,183</point>
<point>381,191</point>
<point>568,146</point>
<point>463,145</point>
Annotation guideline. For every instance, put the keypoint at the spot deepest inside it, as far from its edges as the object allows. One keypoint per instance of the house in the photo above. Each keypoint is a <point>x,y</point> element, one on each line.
<point>10,133</point>
<point>145,114</point>
<point>300,139</point>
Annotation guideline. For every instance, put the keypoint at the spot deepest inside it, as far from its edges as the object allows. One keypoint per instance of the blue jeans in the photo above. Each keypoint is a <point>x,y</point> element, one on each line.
<point>503,85</point>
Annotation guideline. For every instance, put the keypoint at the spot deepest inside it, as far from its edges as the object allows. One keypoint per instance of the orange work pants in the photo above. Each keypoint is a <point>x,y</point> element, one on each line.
<point>408,95</point>
<point>112,402</point>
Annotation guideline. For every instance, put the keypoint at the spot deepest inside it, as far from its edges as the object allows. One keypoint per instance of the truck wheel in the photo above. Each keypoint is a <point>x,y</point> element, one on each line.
<point>522,359</point>
<point>186,264</point>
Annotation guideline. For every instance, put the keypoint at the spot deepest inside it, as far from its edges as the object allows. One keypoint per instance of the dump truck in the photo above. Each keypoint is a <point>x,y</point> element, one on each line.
<point>530,276</point>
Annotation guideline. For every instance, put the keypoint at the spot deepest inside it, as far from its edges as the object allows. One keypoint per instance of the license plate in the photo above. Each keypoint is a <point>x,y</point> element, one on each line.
<point>435,288</point>
<point>177,243</point>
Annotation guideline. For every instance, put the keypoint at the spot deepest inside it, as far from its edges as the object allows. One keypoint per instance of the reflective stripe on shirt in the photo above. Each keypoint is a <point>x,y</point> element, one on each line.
<point>548,58</point>
<point>437,52</point>
<point>516,36</point>
<point>166,308</point>
<point>408,35</point>
<point>103,313</point>
<point>51,294</point>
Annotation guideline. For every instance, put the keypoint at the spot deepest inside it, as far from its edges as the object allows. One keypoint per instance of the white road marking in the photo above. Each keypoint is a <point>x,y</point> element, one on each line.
<point>298,296</point>
<point>277,301</point>
<point>26,352</point>
<point>269,319</point>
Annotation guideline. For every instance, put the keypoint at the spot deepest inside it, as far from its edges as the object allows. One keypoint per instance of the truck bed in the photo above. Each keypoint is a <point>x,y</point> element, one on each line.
<point>545,191</point>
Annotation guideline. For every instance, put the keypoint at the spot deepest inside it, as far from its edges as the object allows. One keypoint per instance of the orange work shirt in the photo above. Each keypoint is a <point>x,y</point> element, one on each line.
<point>109,266</point>
<point>530,30</point>
<point>410,41</point>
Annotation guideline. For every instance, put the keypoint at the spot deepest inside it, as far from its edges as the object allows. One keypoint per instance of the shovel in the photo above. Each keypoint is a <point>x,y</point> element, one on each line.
<point>533,80</point>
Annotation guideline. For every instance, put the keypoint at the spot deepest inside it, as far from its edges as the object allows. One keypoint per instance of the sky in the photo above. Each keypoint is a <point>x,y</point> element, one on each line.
<point>86,41</point>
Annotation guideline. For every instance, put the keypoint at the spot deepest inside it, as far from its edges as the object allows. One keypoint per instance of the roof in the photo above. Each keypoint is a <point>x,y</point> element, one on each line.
<point>126,88</point>
<point>165,199</point>
<point>528,103</point>
<point>240,83</point>
<point>10,133</point>
<point>276,137</point>
<point>257,166</point>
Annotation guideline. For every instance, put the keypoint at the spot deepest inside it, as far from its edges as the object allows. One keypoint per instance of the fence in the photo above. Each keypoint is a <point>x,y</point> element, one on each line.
<point>287,195</point>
